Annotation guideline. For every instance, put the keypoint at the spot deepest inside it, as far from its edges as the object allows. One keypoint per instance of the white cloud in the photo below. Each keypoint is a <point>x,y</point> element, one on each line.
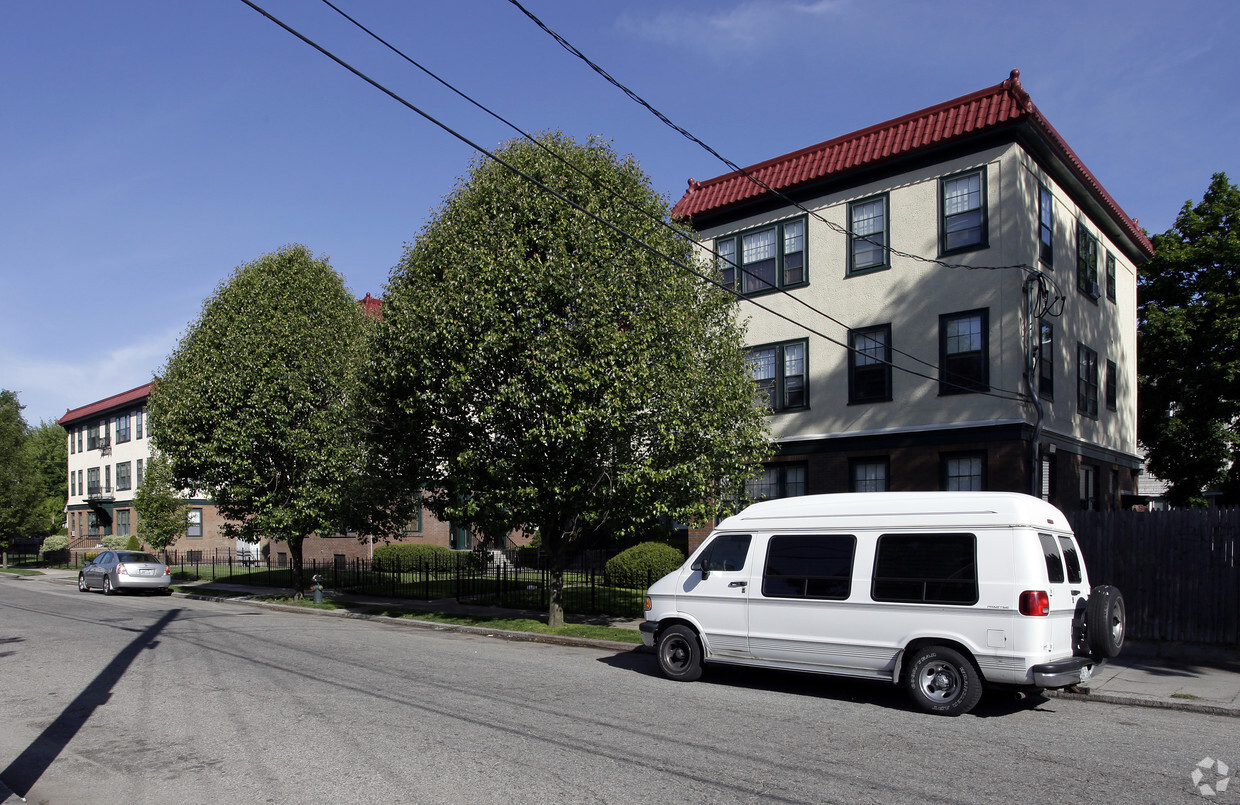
<point>47,388</point>
<point>749,26</point>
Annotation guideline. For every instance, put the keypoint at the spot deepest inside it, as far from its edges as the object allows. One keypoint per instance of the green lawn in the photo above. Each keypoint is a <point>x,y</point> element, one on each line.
<point>499,622</point>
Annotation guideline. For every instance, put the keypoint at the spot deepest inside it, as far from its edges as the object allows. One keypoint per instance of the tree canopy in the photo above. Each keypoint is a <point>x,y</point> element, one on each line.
<point>1189,348</point>
<point>49,457</point>
<point>255,407</point>
<point>538,371</point>
<point>162,512</point>
<point>19,488</point>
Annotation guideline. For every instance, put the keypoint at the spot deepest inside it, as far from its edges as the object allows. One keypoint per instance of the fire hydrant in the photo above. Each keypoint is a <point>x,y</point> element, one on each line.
<point>316,584</point>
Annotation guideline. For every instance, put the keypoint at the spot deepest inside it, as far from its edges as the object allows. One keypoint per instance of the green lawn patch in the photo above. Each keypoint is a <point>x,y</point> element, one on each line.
<point>21,571</point>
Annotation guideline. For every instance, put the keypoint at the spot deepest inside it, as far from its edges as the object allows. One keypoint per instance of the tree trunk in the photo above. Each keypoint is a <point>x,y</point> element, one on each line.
<point>554,543</point>
<point>294,556</point>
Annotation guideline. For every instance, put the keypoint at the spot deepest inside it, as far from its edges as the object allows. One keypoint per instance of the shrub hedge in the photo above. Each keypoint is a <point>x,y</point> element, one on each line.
<point>642,564</point>
<point>406,556</point>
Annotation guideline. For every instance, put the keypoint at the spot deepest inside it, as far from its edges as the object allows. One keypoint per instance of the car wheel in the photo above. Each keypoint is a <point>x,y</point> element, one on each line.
<point>680,654</point>
<point>942,681</point>
<point>107,585</point>
<point>1105,621</point>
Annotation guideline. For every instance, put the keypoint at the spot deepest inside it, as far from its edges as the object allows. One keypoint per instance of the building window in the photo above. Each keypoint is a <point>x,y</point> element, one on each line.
<point>92,438</point>
<point>107,478</point>
<point>779,374</point>
<point>72,484</point>
<point>868,474</point>
<point>770,258</point>
<point>963,205</point>
<point>138,477</point>
<point>1112,385</point>
<point>92,481</point>
<point>964,361</point>
<point>122,475</point>
<point>1089,487</point>
<point>79,439</point>
<point>81,488</point>
<point>138,417</point>
<point>92,525</point>
<point>777,481</point>
<point>414,526</point>
<point>121,522</point>
<point>1046,360</point>
<point>1110,277</point>
<point>71,448</point>
<point>122,428</point>
<point>1050,476</point>
<point>1087,262</point>
<point>1086,381</point>
<point>963,472</point>
<point>867,239</point>
<point>193,526</point>
<point>869,364</point>
<point>1046,226</point>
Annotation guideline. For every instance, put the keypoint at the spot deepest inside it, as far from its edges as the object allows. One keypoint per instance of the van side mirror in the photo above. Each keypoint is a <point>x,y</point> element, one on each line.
<point>705,571</point>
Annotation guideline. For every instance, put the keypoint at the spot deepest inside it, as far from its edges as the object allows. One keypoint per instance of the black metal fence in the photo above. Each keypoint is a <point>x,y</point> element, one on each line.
<point>470,578</point>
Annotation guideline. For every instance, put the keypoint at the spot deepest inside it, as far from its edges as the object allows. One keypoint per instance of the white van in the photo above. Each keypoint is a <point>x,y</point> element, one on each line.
<point>943,592</point>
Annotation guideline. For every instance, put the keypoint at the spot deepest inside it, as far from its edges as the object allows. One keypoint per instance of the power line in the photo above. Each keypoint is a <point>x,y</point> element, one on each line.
<point>738,169</point>
<point>1005,394</point>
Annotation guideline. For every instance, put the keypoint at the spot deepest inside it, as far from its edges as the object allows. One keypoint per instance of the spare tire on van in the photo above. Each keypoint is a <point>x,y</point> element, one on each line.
<point>1105,624</point>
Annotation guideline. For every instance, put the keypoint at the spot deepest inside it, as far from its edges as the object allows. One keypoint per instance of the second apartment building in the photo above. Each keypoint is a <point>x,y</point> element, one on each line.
<point>946,300</point>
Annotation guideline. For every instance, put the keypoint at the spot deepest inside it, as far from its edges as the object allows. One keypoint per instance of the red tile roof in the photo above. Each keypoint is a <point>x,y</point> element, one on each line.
<point>371,306</point>
<point>1000,106</point>
<point>107,404</point>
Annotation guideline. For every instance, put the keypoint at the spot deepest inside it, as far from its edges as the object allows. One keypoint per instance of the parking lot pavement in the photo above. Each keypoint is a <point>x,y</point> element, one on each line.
<point>1180,677</point>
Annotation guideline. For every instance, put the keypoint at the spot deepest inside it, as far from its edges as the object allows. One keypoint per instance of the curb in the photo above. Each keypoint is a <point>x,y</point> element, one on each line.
<point>1184,706</point>
<point>500,634</point>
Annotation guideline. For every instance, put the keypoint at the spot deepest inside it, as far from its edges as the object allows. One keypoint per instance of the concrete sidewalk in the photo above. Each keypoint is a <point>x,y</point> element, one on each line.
<point>1179,677</point>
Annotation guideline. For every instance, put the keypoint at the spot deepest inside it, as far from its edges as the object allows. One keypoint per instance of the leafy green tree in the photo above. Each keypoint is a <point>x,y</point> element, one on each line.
<point>19,491</point>
<point>162,513</point>
<point>1189,348</point>
<point>536,370</point>
<point>255,407</point>
<point>49,456</point>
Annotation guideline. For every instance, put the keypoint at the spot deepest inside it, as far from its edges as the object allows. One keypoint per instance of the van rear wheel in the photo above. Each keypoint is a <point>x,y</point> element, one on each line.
<point>680,654</point>
<point>942,681</point>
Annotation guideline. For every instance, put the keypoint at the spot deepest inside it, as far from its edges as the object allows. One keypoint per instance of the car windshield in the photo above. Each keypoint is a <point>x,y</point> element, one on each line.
<point>137,557</point>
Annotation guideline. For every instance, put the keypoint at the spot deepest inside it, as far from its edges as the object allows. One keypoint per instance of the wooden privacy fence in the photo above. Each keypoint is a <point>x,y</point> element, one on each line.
<point>1178,570</point>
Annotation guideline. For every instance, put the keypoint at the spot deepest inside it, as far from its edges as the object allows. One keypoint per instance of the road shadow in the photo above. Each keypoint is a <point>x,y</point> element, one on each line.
<point>995,702</point>
<point>29,766</point>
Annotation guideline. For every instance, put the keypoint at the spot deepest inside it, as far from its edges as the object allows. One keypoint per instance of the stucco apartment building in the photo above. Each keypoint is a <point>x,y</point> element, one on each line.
<point>946,300</point>
<point>109,447</point>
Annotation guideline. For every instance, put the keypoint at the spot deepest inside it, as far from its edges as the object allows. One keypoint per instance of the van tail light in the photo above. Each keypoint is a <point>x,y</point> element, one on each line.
<point>1035,602</point>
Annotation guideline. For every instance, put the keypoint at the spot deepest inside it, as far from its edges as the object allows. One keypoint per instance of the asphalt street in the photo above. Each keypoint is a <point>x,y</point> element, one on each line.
<point>135,699</point>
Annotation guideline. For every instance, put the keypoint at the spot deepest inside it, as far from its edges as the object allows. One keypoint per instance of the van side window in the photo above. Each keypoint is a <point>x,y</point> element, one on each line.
<point>1054,567</point>
<point>725,552</point>
<point>809,567</point>
<point>1072,559</point>
<point>926,568</point>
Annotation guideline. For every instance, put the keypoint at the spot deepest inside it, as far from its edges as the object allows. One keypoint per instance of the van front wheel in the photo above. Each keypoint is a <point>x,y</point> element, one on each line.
<point>680,655</point>
<point>943,682</point>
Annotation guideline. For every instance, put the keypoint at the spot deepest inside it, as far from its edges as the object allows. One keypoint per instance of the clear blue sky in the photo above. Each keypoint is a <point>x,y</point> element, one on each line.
<point>151,146</point>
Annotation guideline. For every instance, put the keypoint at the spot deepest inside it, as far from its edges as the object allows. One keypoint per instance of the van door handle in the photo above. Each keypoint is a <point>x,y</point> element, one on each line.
<point>738,584</point>
<point>1076,592</point>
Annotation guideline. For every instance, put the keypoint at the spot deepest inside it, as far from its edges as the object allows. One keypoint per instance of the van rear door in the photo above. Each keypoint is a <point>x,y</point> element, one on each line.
<point>1066,588</point>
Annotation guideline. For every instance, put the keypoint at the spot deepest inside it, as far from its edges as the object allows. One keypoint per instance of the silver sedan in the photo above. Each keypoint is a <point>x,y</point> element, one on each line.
<point>125,570</point>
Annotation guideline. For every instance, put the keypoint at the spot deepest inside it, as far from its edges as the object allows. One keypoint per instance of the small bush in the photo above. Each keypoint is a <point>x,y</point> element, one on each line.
<point>406,556</point>
<point>89,557</point>
<point>642,564</point>
<point>114,542</point>
<point>56,549</point>
<point>133,544</point>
